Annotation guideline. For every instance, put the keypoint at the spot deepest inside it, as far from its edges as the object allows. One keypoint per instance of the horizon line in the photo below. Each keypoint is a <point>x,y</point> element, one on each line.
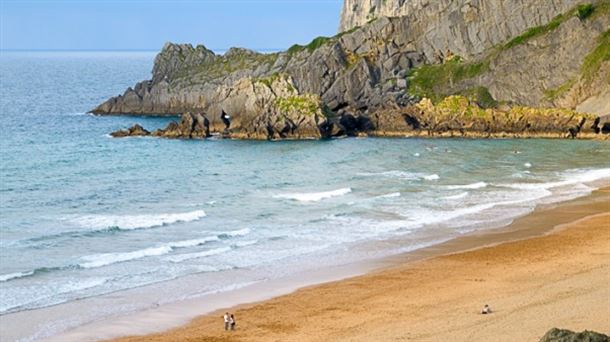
<point>144,49</point>
<point>123,50</point>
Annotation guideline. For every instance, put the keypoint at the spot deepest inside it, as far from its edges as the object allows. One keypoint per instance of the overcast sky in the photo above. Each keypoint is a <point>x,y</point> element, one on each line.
<point>147,25</point>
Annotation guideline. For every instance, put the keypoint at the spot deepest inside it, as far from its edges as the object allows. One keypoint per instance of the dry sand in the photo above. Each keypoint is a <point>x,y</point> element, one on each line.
<point>560,279</point>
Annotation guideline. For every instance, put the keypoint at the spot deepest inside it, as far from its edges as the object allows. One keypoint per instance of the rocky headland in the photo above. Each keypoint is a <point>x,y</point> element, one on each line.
<point>518,68</point>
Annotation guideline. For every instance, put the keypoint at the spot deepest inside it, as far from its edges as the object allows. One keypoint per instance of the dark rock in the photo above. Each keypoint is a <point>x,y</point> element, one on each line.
<point>134,131</point>
<point>354,125</point>
<point>561,335</point>
<point>191,126</point>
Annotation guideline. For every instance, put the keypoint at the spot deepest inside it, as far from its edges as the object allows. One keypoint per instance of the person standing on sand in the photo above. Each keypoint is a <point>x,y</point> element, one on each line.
<point>486,310</point>
<point>232,321</point>
<point>226,318</point>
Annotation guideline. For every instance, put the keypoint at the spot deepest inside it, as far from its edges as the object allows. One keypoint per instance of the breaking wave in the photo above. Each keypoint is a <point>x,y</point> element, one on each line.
<point>131,222</point>
<point>314,196</point>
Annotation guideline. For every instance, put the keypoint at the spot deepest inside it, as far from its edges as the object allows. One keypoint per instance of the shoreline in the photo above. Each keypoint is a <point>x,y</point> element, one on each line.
<point>177,316</point>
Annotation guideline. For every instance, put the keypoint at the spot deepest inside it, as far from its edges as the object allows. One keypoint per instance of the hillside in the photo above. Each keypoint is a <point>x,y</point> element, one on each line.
<point>537,55</point>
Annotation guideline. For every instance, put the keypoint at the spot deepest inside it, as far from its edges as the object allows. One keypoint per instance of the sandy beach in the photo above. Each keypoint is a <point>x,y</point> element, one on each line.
<point>559,279</point>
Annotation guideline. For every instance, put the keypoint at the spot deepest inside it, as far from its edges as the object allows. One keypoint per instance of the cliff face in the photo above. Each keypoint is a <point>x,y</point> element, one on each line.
<point>304,91</point>
<point>478,21</point>
<point>560,64</point>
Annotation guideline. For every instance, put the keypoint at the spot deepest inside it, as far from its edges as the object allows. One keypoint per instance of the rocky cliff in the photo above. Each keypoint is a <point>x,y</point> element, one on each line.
<point>485,20</point>
<point>519,52</point>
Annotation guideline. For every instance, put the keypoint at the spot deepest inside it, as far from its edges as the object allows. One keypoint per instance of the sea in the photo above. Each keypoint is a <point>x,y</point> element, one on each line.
<point>84,215</point>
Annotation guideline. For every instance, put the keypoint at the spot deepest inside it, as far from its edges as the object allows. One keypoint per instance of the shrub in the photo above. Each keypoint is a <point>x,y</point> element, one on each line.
<point>584,11</point>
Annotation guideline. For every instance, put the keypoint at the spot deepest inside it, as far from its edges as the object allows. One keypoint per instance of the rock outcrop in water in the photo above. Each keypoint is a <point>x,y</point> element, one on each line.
<point>134,131</point>
<point>455,116</point>
<point>522,53</point>
<point>562,335</point>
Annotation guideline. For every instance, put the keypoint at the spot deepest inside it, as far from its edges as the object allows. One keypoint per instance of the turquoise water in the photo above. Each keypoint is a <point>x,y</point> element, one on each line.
<point>84,215</point>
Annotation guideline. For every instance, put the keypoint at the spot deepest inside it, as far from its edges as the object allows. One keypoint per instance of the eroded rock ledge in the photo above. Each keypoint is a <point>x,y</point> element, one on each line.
<point>455,116</point>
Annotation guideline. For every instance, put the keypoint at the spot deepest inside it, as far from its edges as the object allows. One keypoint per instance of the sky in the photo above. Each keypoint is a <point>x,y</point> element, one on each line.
<point>148,24</point>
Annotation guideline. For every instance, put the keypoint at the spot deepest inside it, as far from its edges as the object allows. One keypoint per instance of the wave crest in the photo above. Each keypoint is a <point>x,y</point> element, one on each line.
<point>189,256</point>
<point>314,196</point>
<point>132,222</point>
<point>477,185</point>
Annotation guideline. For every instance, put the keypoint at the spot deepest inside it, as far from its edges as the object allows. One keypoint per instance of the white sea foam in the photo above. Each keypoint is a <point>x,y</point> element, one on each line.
<point>571,177</point>
<point>81,284</point>
<point>393,174</point>
<point>458,196</point>
<point>528,165</point>
<point>131,222</point>
<point>314,196</point>
<point>245,243</point>
<point>363,227</point>
<point>193,242</point>
<point>9,276</point>
<point>391,195</point>
<point>406,175</point>
<point>241,232</point>
<point>197,255</point>
<point>425,216</point>
<point>477,185</point>
<point>99,260</point>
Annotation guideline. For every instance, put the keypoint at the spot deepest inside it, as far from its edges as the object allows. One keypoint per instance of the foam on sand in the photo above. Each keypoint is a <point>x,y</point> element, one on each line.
<point>570,177</point>
<point>314,196</point>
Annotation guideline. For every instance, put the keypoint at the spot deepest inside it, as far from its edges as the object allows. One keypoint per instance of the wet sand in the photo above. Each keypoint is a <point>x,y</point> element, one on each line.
<point>548,269</point>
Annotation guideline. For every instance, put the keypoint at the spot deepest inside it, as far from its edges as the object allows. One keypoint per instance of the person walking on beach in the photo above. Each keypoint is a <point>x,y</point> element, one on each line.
<point>232,321</point>
<point>227,318</point>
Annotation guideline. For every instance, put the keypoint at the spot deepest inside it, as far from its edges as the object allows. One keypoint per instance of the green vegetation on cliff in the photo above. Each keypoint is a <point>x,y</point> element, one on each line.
<point>555,93</point>
<point>311,47</point>
<point>223,65</point>
<point>440,80</point>
<point>481,96</point>
<point>306,104</point>
<point>318,42</point>
<point>584,11</point>
<point>581,11</point>
<point>595,58</point>
<point>424,80</point>
<point>536,31</point>
<point>589,68</point>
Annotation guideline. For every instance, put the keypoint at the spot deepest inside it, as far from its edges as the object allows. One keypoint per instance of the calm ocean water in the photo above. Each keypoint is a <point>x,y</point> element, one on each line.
<point>84,215</point>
